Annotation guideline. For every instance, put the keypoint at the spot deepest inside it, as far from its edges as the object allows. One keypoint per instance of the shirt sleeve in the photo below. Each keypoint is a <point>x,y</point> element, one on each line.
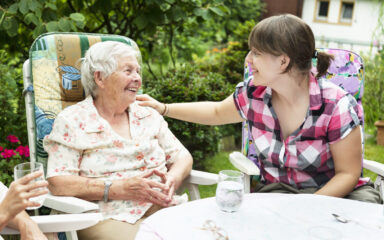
<point>168,142</point>
<point>347,115</point>
<point>63,156</point>
<point>241,99</point>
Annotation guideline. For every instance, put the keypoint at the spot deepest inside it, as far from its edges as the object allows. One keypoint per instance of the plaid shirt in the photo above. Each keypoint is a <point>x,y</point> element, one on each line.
<point>304,158</point>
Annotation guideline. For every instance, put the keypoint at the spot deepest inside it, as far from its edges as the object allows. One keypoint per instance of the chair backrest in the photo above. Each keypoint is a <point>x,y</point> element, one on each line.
<point>52,80</point>
<point>346,70</point>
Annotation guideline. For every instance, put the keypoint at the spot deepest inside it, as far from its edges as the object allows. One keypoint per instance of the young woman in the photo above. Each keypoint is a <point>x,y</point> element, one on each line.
<point>306,130</point>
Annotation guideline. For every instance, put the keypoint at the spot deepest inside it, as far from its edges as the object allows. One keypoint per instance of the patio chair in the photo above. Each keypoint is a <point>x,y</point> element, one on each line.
<point>51,83</point>
<point>61,223</point>
<point>346,71</point>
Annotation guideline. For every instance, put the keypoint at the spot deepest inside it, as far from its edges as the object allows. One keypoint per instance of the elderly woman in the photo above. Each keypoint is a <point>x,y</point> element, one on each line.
<point>108,149</point>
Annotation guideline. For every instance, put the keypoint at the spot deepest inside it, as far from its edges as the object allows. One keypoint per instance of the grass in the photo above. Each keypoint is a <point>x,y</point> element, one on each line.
<point>374,152</point>
<point>221,161</point>
<point>214,164</point>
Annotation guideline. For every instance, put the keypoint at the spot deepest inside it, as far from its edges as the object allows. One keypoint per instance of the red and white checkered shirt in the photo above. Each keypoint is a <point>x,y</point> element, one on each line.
<point>304,158</point>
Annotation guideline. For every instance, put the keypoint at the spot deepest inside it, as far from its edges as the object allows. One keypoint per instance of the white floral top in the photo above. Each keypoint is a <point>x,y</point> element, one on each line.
<point>82,143</point>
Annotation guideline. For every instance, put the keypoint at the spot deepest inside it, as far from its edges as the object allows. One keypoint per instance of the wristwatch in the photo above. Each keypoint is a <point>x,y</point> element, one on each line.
<point>107,185</point>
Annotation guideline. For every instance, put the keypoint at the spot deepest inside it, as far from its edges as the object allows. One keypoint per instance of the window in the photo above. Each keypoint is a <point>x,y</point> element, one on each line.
<point>322,10</point>
<point>346,12</point>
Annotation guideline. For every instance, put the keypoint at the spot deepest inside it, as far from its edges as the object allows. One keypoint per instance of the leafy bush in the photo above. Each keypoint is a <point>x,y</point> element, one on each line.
<point>187,84</point>
<point>373,100</point>
<point>229,60</point>
<point>12,111</point>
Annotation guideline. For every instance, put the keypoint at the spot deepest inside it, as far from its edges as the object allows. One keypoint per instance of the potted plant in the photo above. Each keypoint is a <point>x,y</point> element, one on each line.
<point>380,132</point>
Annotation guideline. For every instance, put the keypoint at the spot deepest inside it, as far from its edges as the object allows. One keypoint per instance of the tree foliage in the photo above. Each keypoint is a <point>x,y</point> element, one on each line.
<point>171,34</point>
<point>24,20</point>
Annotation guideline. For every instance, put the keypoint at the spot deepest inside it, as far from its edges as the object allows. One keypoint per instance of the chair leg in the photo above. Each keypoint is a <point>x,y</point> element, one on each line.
<point>71,235</point>
<point>379,184</point>
<point>247,183</point>
<point>193,191</point>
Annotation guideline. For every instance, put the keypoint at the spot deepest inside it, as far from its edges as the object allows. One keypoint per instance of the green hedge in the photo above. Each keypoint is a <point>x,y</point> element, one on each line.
<point>12,116</point>
<point>187,84</point>
<point>373,99</point>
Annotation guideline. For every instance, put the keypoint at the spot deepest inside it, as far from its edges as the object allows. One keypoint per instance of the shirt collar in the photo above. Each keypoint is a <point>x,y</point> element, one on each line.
<point>96,123</point>
<point>314,93</point>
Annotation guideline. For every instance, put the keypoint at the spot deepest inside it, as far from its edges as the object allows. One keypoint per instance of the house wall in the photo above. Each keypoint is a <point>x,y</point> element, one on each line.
<point>357,36</point>
<point>276,7</point>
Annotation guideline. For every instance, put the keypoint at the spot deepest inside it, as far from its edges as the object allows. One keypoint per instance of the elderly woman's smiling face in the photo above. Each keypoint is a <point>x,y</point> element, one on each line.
<point>123,84</point>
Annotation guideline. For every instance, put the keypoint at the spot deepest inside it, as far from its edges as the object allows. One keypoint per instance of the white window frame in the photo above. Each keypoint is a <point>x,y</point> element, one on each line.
<point>346,20</point>
<point>317,9</point>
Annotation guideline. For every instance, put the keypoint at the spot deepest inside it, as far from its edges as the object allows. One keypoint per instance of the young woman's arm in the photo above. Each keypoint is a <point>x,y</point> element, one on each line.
<point>346,155</point>
<point>207,113</point>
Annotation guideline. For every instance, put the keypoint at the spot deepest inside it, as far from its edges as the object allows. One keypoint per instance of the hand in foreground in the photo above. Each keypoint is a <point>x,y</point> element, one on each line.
<point>19,193</point>
<point>147,101</point>
<point>29,230</point>
<point>143,189</point>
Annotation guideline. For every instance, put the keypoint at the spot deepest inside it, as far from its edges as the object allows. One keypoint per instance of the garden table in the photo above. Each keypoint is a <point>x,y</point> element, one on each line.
<point>267,216</point>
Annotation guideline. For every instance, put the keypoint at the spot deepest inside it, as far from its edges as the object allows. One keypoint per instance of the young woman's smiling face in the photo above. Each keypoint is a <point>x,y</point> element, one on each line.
<point>266,67</point>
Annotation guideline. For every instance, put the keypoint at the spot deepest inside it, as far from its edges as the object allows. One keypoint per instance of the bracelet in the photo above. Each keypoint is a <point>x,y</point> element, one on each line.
<point>166,108</point>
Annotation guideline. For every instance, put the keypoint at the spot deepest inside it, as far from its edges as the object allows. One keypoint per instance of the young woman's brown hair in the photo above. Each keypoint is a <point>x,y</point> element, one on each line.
<point>289,35</point>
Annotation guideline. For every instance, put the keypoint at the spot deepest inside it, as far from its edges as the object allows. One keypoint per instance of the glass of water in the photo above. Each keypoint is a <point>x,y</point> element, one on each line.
<point>23,169</point>
<point>230,190</point>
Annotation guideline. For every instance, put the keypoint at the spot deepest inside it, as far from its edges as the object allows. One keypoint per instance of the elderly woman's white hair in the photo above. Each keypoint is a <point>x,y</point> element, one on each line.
<point>103,57</point>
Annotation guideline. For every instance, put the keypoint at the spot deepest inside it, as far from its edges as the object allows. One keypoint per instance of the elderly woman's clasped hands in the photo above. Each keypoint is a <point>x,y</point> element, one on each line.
<point>143,189</point>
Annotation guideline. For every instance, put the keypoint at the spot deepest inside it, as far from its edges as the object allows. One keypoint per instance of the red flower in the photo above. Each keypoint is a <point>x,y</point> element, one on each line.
<point>8,153</point>
<point>13,139</point>
<point>1,148</point>
<point>26,151</point>
<point>23,150</point>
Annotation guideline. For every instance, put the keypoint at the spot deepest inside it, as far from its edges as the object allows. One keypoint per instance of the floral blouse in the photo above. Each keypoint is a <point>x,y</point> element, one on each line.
<point>82,143</point>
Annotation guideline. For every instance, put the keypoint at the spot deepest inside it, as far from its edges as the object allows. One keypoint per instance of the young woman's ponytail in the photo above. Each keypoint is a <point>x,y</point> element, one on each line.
<point>323,62</point>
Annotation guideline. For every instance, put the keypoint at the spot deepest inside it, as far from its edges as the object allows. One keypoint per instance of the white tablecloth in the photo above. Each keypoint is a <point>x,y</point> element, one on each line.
<point>268,216</point>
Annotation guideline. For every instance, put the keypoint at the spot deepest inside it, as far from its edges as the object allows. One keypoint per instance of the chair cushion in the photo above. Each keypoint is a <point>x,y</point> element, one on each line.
<point>55,74</point>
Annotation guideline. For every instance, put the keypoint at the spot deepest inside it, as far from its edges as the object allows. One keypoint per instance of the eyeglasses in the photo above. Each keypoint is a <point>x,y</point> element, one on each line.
<point>220,234</point>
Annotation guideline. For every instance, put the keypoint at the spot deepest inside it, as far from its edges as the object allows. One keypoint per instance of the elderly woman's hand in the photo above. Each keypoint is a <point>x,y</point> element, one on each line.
<point>141,188</point>
<point>148,101</point>
<point>171,183</point>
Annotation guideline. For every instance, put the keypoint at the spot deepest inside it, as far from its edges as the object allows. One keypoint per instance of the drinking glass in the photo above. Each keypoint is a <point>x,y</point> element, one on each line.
<point>23,169</point>
<point>230,190</point>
